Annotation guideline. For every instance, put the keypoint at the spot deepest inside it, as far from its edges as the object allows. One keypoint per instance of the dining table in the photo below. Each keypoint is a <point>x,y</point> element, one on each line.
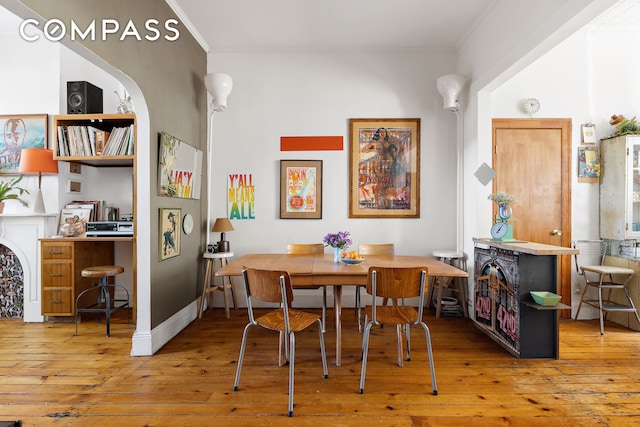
<point>315,270</point>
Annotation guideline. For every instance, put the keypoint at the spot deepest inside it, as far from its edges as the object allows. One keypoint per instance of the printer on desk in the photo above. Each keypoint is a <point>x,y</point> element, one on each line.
<point>110,229</point>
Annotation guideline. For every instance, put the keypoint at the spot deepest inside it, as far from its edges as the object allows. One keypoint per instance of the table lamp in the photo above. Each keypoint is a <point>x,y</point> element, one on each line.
<point>221,226</point>
<point>40,161</point>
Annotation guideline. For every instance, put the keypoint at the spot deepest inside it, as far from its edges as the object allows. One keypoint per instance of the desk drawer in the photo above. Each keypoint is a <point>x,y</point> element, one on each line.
<point>57,302</point>
<point>56,274</point>
<point>55,250</point>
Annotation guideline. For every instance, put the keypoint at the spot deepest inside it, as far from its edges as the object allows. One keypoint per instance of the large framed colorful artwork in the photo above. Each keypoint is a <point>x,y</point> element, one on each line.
<point>384,168</point>
<point>20,131</point>
<point>300,189</point>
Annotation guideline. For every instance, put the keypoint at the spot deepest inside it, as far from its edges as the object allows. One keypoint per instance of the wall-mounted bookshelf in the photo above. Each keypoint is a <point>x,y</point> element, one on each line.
<point>95,139</point>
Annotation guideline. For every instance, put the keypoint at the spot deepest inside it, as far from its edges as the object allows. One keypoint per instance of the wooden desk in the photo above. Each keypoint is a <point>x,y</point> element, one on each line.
<point>62,261</point>
<point>320,270</point>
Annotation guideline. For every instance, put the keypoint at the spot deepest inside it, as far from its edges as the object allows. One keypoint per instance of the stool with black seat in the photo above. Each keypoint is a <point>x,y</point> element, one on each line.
<point>455,259</point>
<point>105,303</point>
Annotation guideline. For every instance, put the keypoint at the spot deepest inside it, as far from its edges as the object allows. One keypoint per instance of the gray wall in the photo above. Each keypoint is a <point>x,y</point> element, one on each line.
<point>170,75</point>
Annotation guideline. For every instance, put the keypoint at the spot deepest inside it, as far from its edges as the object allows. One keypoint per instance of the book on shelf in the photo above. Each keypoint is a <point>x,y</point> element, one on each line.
<point>76,140</point>
<point>101,140</point>
<point>96,208</point>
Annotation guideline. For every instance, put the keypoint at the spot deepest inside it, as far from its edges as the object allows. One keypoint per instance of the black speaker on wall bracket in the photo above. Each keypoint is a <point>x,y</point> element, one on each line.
<point>83,98</point>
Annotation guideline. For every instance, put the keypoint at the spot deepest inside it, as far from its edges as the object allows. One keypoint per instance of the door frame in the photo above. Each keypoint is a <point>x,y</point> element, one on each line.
<point>565,127</point>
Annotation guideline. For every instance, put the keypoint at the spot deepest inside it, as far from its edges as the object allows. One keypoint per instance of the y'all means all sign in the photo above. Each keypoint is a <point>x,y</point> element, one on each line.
<point>241,196</point>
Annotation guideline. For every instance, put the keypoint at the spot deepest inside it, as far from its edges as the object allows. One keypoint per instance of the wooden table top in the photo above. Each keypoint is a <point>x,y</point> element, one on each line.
<point>319,269</point>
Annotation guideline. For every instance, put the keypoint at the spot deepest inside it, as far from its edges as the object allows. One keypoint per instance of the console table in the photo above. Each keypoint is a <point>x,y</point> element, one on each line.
<point>505,273</point>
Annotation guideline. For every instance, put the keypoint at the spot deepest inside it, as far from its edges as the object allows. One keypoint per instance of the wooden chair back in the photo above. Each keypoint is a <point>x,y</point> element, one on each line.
<point>376,249</point>
<point>305,248</point>
<point>396,282</point>
<point>267,285</point>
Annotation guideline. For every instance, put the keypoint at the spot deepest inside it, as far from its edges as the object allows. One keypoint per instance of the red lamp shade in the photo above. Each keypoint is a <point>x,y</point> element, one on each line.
<point>37,161</point>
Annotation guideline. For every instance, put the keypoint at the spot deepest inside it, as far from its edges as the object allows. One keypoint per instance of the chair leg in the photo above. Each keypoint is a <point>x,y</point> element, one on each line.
<point>600,310</point>
<point>407,331</point>
<point>584,293</point>
<point>292,351</point>
<point>430,352</point>
<point>635,311</point>
<point>358,308</point>
<point>282,350</point>
<point>324,309</point>
<point>399,344</point>
<point>365,352</point>
<point>323,352</point>
<point>241,357</point>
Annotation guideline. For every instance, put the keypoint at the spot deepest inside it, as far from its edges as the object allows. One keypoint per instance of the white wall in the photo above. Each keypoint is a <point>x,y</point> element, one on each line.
<point>315,93</point>
<point>34,82</point>
<point>31,85</point>
<point>588,77</point>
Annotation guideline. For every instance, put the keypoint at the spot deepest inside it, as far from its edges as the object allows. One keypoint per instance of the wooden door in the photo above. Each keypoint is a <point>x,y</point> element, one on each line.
<point>532,160</point>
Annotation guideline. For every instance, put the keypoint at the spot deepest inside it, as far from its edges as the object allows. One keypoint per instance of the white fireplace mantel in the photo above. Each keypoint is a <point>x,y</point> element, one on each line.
<point>20,233</point>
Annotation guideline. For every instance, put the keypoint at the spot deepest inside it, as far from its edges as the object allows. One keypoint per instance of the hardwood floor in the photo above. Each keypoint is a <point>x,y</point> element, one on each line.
<point>49,377</point>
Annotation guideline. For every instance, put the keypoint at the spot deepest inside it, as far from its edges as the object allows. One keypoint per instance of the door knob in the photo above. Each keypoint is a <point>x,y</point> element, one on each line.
<point>556,232</point>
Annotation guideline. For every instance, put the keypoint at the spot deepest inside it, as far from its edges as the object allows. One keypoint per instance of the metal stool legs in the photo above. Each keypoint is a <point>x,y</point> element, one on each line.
<point>104,303</point>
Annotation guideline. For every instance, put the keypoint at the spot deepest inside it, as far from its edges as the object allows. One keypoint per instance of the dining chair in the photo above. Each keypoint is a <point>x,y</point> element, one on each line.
<point>312,248</point>
<point>273,286</point>
<point>371,249</point>
<point>589,264</point>
<point>396,282</point>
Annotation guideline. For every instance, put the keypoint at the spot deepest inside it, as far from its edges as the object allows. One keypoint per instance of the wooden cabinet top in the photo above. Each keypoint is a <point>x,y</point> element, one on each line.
<point>531,248</point>
<point>86,239</point>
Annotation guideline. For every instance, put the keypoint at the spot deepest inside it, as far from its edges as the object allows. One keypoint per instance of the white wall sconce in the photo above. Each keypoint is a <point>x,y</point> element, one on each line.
<point>450,86</point>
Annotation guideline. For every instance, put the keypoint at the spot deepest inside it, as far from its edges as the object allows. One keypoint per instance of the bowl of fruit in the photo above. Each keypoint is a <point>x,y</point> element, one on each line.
<point>351,258</point>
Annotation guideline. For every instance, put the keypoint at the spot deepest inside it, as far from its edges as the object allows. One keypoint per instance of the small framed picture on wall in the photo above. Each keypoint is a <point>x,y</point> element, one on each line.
<point>170,220</point>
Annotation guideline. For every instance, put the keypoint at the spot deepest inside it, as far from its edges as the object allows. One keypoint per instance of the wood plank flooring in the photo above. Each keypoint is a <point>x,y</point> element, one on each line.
<point>49,377</point>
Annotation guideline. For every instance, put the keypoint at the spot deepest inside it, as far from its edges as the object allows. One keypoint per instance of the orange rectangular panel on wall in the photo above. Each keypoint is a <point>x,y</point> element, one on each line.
<point>310,143</point>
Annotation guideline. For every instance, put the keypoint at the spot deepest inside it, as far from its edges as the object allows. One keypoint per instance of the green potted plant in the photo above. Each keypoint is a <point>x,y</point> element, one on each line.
<point>9,190</point>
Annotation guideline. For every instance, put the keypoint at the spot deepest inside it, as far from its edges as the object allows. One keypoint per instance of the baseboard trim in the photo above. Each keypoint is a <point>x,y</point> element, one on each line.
<point>146,343</point>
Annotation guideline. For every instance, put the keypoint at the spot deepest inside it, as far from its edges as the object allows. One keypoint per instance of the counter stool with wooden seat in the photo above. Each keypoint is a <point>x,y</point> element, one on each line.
<point>455,259</point>
<point>104,304</point>
<point>209,287</point>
